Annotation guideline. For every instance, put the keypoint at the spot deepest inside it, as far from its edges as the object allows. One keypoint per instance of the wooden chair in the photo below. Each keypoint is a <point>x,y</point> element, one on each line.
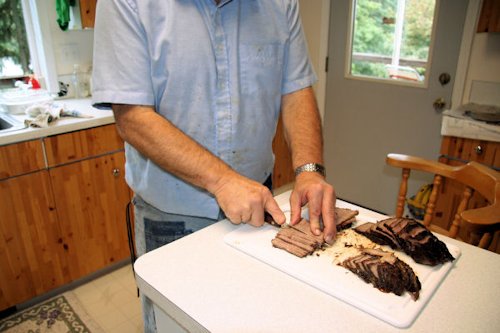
<point>480,223</point>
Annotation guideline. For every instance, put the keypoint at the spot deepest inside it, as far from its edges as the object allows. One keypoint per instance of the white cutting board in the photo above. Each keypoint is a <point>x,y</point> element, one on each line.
<point>321,273</point>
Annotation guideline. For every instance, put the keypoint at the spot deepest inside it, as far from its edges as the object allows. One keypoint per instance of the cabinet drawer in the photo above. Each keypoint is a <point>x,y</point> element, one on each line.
<point>79,145</point>
<point>21,158</point>
<point>457,151</point>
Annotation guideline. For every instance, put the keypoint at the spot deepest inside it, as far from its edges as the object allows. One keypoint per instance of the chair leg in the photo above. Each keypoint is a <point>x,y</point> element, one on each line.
<point>485,241</point>
<point>457,221</point>
<point>403,188</point>
<point>431,204</point>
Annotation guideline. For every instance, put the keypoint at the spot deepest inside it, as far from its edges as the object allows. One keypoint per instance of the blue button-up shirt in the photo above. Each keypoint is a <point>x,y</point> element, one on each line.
<point>217,72</point>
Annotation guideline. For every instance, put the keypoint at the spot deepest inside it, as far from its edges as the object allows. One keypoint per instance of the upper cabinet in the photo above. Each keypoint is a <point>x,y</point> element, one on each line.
<point>87,13</point>
<point>489,19</point>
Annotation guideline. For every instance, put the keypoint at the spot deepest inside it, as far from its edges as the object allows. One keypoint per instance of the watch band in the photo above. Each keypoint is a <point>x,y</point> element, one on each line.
<point>311,167</point>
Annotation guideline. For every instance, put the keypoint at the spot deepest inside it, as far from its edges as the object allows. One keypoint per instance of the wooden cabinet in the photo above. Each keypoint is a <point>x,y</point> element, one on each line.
<point>80,145</point>
<point>458,151</point>
<point>21,158</point>
<point>87,13</point>
<point>32,258</point>
<point>489,18</point>
<point>92,213</point>
<point>62,220</point>
<point>283,168</point>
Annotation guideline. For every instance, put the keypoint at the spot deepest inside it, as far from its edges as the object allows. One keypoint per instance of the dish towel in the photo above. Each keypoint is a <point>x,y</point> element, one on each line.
<point>43,114</point>
<point>62,10</point>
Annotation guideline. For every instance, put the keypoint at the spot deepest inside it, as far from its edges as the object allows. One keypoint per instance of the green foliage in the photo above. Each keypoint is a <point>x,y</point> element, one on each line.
<point>374,33</point>
<point>417,34</point>
<point>370,34</point>
<point>13,41</point>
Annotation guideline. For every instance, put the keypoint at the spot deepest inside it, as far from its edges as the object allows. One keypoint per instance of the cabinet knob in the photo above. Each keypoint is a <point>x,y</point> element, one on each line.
<point>116,172</point>
<point>478,150</point>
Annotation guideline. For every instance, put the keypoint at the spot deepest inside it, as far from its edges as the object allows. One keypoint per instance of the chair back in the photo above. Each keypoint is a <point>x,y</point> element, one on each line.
<point>480,223</point>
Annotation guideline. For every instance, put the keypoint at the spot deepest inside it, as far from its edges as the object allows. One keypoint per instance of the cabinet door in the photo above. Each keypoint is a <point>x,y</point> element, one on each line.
<point>32,259</point>
<point>87,13</point>
<point>489,19</point>
<point>91,199</point>
<point>20,158</point>
<point>283,169</point>
<point>75,146</point>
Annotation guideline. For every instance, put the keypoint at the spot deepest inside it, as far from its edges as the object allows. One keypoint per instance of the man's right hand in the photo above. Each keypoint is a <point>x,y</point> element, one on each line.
<point>245,201</point>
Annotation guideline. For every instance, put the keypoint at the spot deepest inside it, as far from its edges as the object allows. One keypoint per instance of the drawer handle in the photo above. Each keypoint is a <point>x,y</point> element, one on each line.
<point>116,172</point>
<point>478,150</point>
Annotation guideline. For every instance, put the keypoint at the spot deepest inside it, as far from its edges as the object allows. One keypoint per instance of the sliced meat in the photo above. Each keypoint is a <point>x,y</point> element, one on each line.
<point>289,247</point>
<point>344,217</point>
<point>384,271</point>
<point>304,227</point>
<point>298,239</point>
<point>410,236</point>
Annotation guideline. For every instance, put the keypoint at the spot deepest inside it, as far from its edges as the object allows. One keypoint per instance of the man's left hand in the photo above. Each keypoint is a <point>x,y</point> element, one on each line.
<point>311,188</point>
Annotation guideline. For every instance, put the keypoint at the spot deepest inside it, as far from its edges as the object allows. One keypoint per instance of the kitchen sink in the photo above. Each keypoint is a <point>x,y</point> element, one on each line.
<point>9,123</point>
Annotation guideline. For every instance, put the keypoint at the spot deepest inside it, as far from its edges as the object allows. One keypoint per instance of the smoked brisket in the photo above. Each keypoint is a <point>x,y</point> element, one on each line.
<point>385,271</point>
<point>409,236</point>
<point>300,241</point>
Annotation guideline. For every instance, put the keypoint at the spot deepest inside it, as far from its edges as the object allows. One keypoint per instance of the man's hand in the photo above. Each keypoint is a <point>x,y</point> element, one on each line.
<point>311,188</point>
<point>245,201</point>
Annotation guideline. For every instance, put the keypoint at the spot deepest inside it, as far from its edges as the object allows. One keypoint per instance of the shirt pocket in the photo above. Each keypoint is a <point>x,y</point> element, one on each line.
<point>261,68</point>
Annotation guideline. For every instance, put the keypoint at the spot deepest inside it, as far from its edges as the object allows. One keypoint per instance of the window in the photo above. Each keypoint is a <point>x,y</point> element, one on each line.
<point>15,59</point>
<point>391,39</point>
<point>25,43</point>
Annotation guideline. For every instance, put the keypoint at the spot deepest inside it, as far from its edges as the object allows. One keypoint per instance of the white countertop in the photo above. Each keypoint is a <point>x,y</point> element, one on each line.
<point>62,125</point>
<point>206,285</point>
<point>455,123</point>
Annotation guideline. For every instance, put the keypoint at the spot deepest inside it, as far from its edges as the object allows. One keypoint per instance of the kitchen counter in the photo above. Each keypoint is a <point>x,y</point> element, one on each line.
<point>455,123</point>
<point>201,284</point>
<point>62,125</point>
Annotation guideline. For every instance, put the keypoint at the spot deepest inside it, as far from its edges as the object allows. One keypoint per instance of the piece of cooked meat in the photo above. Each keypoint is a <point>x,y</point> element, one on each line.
<point>290,247</point>
<point>344,218</point>
<point>298,239</point>
<point>384,271</point>
<point>410,236</point>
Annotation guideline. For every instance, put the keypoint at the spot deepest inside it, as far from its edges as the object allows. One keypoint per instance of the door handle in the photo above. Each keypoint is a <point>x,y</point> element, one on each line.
<point>444,78</point>
<point>439,104</point>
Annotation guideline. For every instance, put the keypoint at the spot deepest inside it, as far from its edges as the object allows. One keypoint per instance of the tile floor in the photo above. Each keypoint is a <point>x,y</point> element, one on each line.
<point>112,301</point>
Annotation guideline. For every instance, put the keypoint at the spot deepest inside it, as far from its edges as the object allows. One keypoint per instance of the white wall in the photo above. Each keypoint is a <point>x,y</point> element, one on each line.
<point>69,47</point>
<point>484,65</point>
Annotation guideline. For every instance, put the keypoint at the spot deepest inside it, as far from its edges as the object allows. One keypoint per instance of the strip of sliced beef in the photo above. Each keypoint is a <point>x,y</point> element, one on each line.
<point>410,236</point>
<point>304,228</point>
<point>384,271</point>
<point>290,247</point>
<point>298,239</point>
<point>344,217</point>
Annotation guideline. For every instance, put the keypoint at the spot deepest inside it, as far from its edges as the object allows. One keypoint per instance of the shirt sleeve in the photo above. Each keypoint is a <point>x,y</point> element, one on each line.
<point>121,64</point>
<point>298,70</point>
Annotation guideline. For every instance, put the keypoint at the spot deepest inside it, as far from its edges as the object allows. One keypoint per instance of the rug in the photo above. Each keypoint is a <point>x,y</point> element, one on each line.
<point>61,314</point>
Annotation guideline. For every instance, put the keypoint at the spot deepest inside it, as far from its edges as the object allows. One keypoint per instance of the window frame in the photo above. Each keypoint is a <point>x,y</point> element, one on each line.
<point>349,54</point>
<point>40,43</point>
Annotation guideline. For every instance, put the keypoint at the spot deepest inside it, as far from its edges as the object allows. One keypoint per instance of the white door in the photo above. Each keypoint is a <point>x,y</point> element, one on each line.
<point>367,118</point>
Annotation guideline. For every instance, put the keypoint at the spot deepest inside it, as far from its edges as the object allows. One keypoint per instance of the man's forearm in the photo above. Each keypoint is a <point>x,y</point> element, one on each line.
<point>302,127</point>
<point>167,146</point>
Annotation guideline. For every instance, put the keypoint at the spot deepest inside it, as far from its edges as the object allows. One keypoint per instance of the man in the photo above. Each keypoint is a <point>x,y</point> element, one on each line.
<point>197,87</point>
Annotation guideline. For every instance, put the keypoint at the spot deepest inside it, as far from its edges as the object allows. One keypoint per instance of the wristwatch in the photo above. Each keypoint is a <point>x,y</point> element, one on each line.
<point>311,167</point>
